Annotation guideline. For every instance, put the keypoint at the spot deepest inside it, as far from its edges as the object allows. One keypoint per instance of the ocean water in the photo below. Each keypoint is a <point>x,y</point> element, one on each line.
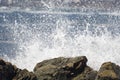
<point>29,37</point>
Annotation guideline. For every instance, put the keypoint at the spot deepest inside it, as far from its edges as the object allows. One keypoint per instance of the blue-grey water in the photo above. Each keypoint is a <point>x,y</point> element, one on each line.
<point>28,37</point>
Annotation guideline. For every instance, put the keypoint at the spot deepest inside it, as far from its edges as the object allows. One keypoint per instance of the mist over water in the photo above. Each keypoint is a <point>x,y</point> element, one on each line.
<point>28,37</point>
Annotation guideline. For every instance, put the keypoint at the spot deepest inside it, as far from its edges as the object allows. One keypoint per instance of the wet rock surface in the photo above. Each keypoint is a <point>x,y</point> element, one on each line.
<point>24,75</point>
<point>64,69</point>
<point>11,72</point>
<point>7,70</point>
<point>61,69</point>
<point>109,71</point>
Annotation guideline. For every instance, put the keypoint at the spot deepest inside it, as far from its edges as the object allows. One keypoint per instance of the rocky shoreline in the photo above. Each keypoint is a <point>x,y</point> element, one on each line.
<point>61,69</point>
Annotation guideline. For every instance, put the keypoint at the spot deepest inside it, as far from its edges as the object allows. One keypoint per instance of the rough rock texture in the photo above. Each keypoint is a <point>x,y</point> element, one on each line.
<point>7,70</point>
<point>64,69</point>
<point>24,75</point>
<point>11,72</point>
<point>87,74</point>
<point>61,69</point>
<point>109,71</point>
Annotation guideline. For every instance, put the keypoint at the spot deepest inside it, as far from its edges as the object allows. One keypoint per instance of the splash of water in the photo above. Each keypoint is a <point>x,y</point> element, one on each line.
<point>48,36</point>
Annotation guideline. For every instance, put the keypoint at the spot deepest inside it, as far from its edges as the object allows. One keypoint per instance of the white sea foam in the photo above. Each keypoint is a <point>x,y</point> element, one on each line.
<point>36,44</point>
<point>35,47</point>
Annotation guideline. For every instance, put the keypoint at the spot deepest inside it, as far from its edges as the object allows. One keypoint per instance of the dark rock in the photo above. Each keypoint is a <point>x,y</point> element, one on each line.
<point>11,72</point>
<point>109,71</point>
<point>87,74</point>
<point>7,70</point>
<point>24,75</point>
<point>2,62</point>
<point>64,69</point>
<point>60,69</point>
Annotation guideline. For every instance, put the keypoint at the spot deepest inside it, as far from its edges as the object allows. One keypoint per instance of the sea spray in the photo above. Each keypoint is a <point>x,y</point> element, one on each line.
<point>40,36</point>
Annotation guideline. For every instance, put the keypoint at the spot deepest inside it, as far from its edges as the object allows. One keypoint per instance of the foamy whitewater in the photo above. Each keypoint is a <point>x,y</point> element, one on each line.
<point>39,35</point>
